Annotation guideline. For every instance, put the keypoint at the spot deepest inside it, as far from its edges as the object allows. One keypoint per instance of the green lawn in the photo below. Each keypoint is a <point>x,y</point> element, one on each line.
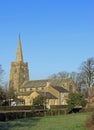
<point>62,122</point>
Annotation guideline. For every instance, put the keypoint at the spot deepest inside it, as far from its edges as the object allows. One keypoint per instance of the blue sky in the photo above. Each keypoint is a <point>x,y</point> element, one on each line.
<point>56,35</point>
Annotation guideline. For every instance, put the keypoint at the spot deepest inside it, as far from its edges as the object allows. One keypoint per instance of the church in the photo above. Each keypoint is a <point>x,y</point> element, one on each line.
<point>56,90</point>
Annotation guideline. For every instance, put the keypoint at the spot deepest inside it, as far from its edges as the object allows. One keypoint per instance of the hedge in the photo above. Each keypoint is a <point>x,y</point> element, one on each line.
<point>9,108</point>
<point>58,106</point>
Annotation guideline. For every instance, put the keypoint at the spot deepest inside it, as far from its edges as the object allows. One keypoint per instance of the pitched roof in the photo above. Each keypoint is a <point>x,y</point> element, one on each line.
<point>42,83</point>
<point>48,95</point>
<point>61,89</point>
<point>34,83</point>
<point>59,81</point>
<point>23,93</point>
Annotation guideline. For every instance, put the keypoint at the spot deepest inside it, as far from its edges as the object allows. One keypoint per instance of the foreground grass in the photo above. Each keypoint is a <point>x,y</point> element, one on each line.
<point>62,122</point>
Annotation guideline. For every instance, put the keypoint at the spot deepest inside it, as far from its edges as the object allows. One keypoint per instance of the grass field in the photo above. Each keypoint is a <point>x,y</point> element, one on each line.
<point>62,122</point>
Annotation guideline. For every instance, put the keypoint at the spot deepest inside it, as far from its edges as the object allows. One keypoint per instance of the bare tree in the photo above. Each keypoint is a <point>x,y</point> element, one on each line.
<point>2,91</point>
<point>87,71</point>
<point>53,76</point>
<point>62,74</point>
<point>1,75</point>
<point>74,76</point>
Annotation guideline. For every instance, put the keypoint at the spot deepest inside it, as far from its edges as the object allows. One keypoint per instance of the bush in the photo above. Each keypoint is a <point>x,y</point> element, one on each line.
<point>40,100</point>
<point>76,100</point>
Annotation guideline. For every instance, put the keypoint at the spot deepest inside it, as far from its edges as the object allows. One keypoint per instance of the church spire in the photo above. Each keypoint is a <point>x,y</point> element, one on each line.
<point>19,55</point>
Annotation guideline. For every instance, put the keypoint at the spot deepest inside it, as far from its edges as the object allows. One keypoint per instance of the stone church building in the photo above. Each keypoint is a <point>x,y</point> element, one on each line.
<point>56,90</point>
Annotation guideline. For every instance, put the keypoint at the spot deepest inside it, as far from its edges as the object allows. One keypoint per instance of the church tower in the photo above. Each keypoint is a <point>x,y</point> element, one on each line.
<point>19,72</point>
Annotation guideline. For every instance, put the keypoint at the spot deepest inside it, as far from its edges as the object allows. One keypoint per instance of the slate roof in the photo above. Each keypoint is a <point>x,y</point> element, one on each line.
<point>43,83</point>
<point>23,93</point>
<point>34,83</point>
<point>61,89</point>
<point>48,95</point>
<point>59,81</point>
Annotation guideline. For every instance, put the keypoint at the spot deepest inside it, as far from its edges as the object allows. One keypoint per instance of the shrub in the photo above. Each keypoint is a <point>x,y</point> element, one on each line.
<point>39,101</point>
<point>76,100</point>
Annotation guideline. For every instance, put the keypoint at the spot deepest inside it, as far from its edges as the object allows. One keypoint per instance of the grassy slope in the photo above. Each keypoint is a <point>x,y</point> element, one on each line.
<point>63,122</point>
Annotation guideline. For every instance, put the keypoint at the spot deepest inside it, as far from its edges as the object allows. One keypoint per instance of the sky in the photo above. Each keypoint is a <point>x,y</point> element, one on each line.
<point>56,35</point>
